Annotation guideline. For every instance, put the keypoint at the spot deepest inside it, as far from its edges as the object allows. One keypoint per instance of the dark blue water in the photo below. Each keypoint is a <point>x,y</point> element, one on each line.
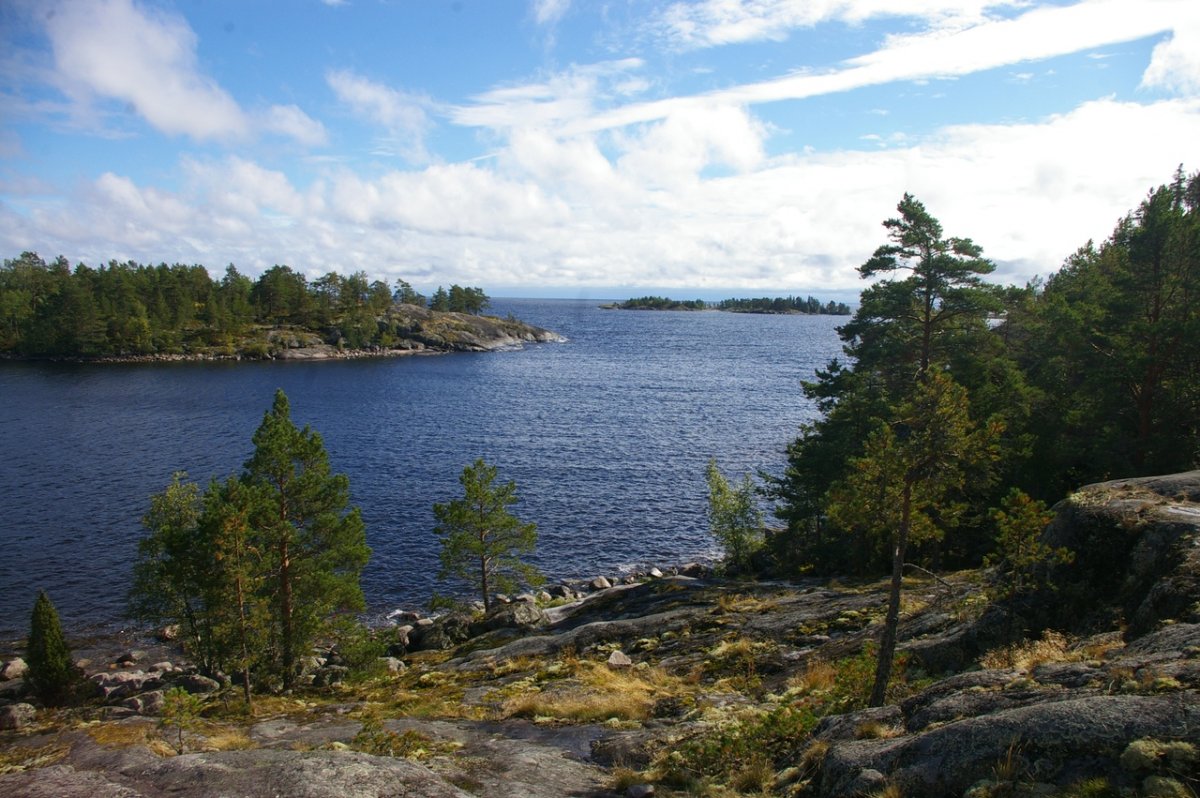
<point>606,436</point>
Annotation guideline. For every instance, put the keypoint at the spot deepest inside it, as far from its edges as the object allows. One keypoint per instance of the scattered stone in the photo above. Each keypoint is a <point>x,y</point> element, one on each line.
<point>693,569</point>
<point>424,623</point>
<point>130,657</point>
<point>330,675</point>
<point>618,659</point>
<point>526,598</point>
<point>654,573</point>
<point>15,717</point>
<point>115,685</point>
<point>519,615</point>
<point>502,598</point>
<point>543,597</point>
<point>393,664</point>
<point>197,684</point>
<point>150,703</point>
<point>600,583</point>
<point>560,591</point>
<point>162,667</point>
<point>404,616</point>
<point>13,669</point>
<point>169,633</point>
<point>639,791</point>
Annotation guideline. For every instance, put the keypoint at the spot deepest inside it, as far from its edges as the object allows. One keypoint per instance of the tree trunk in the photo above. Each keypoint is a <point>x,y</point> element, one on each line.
<point>285,614</point>
<point>484,586</point>
<point>887,641</point>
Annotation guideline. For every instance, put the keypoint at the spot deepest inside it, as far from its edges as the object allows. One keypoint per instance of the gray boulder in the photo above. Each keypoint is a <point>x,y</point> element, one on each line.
<point>197,684</point>
<point>15,717</point>
<point>518,615</point>
<point>13,669</point>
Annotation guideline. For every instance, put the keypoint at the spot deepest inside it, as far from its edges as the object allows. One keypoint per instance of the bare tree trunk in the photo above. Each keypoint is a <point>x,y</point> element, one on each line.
<point>887,641</point>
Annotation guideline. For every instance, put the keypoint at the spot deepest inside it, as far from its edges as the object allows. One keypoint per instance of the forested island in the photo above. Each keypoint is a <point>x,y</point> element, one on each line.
<point>789,304</point>
<point>134,311</point>
<point>923,623</point>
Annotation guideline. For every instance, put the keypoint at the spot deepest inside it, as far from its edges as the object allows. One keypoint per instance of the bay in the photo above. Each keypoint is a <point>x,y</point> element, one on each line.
<point>606,435</point>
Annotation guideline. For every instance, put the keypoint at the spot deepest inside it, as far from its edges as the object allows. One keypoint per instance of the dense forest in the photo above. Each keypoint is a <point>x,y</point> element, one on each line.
<point>129,309</point>
<point>660,303</point>
<point>789,304</point>
<point>956,392</point>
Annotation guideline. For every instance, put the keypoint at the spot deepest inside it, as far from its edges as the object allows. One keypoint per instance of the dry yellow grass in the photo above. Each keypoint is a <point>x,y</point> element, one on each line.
<point>818,675</point>
<point>19,757</point>
<point>597,693</point>
<point>1052,647</point>
<point>227,739</point>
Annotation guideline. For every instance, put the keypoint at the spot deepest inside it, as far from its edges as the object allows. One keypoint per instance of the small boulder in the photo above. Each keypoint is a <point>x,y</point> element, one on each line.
<point>13,669</point>
<point>150,703</point>
<point>330,675</point>
<point>639,791</point>
<point>393,664</point>
<point>168,633</point>
<point>618,659</point>
<point>403,616</point>
<point>15,717</point>
<point>600,583</point>
<point>195,683</point>
<point>130,657</point>
<point>519,615</point>
<point>654,573</point>
<point>560,591</point>
<point>162,667</point>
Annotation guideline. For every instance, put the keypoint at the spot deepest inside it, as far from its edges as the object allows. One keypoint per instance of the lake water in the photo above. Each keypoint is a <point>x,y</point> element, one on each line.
<point>606,435</point>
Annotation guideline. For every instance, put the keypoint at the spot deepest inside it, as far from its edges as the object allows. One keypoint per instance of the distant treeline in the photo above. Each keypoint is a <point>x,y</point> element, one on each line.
<point>662,303</point>
<point>790,304</point>
<point>123,309</point>
<point>779,304</point>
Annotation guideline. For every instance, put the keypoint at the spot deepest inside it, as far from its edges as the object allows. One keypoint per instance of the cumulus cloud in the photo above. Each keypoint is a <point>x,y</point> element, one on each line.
<point>401,114</point>
<point>1175,63</point>
<point>564,213</point>
<point>146,58</point>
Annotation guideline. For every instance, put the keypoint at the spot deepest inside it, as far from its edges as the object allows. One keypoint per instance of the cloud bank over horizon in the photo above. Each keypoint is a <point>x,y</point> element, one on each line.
<point>720,145</point>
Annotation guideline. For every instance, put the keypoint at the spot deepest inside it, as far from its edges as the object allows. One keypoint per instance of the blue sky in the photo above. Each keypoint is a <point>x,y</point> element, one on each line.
<point>584,148</point>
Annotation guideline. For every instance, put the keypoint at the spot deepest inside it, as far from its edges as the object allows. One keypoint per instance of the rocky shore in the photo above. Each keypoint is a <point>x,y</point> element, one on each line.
<point>415,330</point>
<point>688,684</point>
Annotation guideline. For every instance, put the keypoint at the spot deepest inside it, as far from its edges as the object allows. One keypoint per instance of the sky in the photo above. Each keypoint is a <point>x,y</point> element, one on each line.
<point>585,148</point>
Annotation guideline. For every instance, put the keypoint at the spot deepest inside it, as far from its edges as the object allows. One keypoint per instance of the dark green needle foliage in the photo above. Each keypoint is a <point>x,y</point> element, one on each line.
<point>51,674</point>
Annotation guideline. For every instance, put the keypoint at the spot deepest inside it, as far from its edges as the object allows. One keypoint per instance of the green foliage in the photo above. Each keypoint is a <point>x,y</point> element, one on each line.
<point>662,303</point>
<point>374,739</point>
<point>256,569</point>
<point>1020,554</point>
<point>130,309</point>
<point>181,712</point>
<point>481,540</point>
<point>777,737</point>
<point>52,674</point>
<point>733,517</point>
<point>790,304</point>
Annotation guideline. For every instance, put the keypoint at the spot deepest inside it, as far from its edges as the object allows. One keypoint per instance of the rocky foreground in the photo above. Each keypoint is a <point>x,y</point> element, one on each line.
<point>692,685</point>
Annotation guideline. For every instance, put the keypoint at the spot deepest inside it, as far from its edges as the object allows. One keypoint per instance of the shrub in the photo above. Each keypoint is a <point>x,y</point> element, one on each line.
<point>51,672</point>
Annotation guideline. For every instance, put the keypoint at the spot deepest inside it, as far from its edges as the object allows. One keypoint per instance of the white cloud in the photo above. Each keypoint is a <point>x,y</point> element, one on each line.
<point>562,213</point>
<point>290,121</point>
<point>143,57</point>
<point>146,58</point>
<point>563,98</point>
<point>549,12</point>
<point>1175,63</point>
<point>720,22</point>
<point>570,101</point>
<point>403,115</point>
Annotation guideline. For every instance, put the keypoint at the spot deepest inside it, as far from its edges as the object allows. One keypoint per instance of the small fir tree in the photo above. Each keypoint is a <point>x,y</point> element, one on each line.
<point>51,672</point>
<point>481,540</point>
<point>1022,558</point>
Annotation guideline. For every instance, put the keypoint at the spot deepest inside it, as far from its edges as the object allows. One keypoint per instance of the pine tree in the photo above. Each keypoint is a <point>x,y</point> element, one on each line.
<point>313,543</point>
<point>906,485</point>
<point>481,539</point>
<point>51,673</point>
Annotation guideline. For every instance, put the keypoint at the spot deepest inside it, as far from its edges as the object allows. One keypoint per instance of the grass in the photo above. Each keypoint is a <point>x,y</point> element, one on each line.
<point>1050,648</point>
<point>20,757</point>
<point>595,692</point>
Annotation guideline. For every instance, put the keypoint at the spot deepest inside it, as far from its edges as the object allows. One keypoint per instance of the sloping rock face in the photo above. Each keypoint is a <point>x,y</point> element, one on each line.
<point>91,771</point>
<point>1137,549</point>
<point>1058,723</point>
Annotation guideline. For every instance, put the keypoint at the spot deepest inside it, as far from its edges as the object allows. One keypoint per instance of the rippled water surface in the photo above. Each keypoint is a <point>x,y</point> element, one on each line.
<point>606,436</point>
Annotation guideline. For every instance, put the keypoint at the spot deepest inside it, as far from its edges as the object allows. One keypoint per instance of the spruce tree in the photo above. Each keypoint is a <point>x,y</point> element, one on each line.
<point>51,672</point>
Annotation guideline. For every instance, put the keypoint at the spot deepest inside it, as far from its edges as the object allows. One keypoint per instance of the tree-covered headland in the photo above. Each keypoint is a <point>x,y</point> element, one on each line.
<point>130,309</point>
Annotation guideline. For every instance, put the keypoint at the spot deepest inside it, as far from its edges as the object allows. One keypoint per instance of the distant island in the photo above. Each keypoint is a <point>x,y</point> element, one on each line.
<point>129,311</point>
<point>781,305</point>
